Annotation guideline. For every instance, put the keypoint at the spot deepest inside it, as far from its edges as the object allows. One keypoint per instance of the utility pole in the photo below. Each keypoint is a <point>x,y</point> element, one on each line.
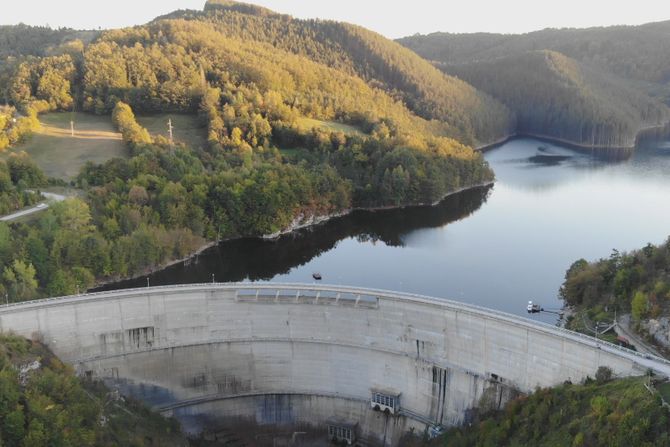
<point>170,131</point>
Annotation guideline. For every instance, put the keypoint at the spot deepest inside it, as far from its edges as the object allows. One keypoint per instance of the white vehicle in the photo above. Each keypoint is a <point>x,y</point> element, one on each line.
<point>533,308</point>
<point>41,205</point>
<point>385,401</point>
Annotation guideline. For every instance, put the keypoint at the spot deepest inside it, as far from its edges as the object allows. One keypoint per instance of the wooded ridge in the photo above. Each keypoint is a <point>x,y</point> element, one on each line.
<point>596,87</point>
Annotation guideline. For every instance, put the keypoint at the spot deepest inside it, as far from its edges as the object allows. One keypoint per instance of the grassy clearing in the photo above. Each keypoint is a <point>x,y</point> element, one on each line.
<point>62,155</point>
<point>296,152</point>
<point>308,124</point>
<point>186,128</point>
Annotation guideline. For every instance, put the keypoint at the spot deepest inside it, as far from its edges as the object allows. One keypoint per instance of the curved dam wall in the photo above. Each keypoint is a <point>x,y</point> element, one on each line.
<point>302,355</point>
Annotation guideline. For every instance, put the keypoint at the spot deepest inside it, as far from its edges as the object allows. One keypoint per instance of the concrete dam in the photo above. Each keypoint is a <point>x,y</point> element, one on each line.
<point>308,360</point>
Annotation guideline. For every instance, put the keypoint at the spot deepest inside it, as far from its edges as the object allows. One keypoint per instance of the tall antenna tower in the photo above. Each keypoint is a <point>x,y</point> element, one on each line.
<point>72,116</point>
<point>170,131</point>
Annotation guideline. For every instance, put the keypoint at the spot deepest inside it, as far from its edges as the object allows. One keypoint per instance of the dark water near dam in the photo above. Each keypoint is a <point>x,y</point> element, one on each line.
<point>496,246</point>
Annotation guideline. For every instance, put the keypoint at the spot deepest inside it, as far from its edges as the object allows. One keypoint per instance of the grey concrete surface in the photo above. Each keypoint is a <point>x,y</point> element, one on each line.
<point>298,355</point>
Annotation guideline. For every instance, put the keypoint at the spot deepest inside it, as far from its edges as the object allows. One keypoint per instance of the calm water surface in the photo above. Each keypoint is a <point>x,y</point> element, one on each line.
<point>497,247</point>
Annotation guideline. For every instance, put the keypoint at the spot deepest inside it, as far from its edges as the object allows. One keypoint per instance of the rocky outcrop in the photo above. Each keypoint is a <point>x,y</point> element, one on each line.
<point>658,329</point>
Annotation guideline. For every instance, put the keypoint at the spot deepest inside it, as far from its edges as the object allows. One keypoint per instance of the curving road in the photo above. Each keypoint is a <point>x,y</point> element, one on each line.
<point>623,328</point>
<point>49,196</point>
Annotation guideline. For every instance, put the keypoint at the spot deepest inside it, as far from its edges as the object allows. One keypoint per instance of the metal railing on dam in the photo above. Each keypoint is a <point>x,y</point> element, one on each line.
<point>313,351</point>
<point>344,295</point>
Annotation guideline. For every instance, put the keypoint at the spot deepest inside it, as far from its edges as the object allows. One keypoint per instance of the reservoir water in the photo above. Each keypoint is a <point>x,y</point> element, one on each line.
<point>498,246</point>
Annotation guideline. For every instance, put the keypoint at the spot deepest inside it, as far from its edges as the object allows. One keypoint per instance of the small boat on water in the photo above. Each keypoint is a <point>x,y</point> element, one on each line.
<point>317,276</point>
<point>533,308</point>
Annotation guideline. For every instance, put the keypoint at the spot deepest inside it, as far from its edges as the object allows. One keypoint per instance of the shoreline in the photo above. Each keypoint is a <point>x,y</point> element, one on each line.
<point>316,220</point>
<point>496,144</point>
<point>200,250</point>
<point>572,144</point>
<point>555,140</point>
<point>311,222</point>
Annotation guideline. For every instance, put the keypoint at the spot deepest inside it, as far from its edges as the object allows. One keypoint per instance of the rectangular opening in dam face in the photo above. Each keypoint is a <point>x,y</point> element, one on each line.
<point>141,337</point>
<point>341,432</point>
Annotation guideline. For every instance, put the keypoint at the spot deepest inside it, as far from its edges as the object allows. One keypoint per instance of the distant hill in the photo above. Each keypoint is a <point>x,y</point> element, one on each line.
<point>25,40</point>
<point>557,96</point>
<point>472,116</point>
<point>631,52</point>
<point>624,72</point>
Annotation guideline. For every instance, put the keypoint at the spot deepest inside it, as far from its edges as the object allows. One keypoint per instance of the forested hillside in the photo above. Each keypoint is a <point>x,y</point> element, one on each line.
<point>15,175</point>
<point>43,403</point>
<point>616,281</point>
<point>631,52</point>
<point>472,117</point>
<point>556,96</point>
<point>288,138</point>
<point>637,283</point>
<point>599,413</point>
<point>24,40</point>
<point>625,76</point>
